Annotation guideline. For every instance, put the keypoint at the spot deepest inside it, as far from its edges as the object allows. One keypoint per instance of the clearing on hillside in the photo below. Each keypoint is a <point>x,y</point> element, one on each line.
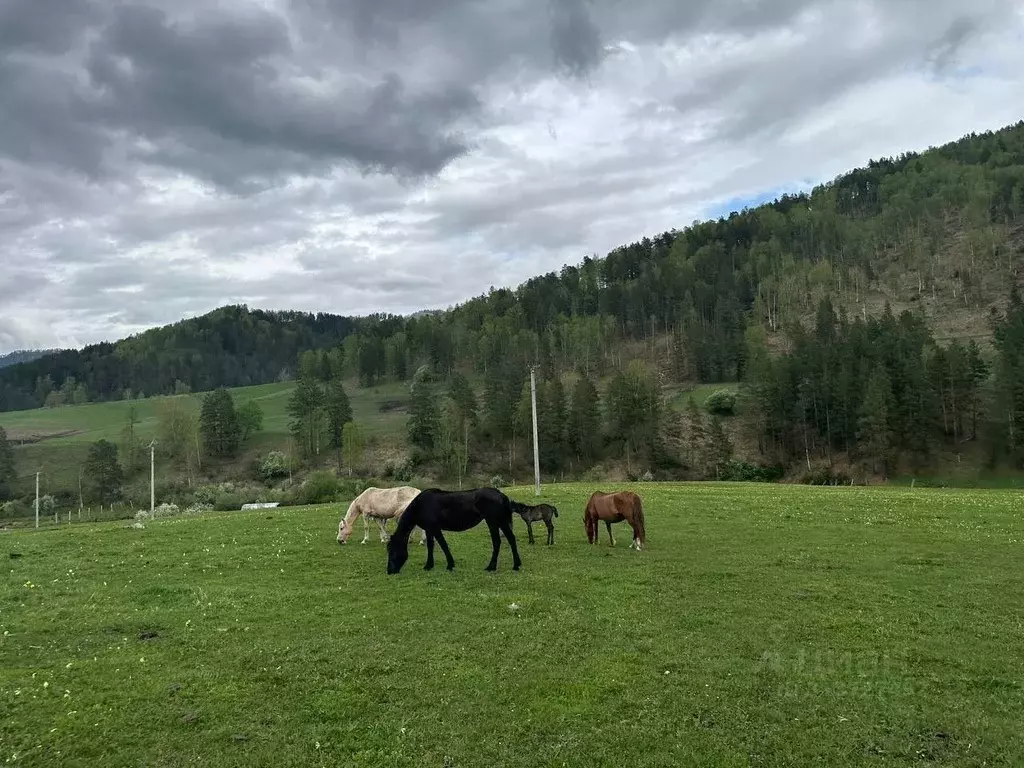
<point>763,625</point>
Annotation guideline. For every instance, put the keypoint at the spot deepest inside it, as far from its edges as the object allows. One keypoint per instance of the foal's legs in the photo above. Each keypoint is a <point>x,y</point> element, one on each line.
<point>551,531</point>
<point>506,528</point>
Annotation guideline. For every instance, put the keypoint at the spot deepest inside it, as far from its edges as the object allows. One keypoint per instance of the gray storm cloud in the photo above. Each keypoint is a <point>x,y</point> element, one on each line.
<point>317,154</point>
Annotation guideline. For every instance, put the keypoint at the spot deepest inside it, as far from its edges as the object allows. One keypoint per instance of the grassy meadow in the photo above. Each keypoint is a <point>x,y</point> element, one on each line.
<point>765,625</point>
<point>61,436</point>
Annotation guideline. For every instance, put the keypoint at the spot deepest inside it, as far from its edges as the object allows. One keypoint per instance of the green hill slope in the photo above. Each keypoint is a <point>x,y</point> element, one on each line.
<point>55,440</point>
<point>813,301</point>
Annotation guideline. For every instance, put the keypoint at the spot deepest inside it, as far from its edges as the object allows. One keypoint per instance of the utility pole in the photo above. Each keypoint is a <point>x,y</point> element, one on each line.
<point>536,452</point>
<point>37,498</point>
<point>152,478</point>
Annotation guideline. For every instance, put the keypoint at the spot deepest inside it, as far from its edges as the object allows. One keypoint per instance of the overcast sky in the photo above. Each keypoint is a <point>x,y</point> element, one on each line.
<point>160,159</point>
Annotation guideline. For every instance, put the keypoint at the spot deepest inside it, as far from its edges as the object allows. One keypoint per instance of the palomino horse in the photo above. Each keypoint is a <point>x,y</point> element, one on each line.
<point>614,508</point>
<point>380,504</point>
<point>532,514</point>
<point>435,511</point>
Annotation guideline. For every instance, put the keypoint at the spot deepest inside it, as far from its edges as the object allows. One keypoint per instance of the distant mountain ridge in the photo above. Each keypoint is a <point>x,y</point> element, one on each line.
<point>231,346</point>
<point>25,356</point>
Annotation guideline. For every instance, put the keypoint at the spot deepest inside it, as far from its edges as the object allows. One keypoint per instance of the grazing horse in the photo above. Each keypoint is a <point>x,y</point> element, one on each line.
<point>531,514</point>
<point>435,511</point>
<point>380,504</point>
<point>614,508</point>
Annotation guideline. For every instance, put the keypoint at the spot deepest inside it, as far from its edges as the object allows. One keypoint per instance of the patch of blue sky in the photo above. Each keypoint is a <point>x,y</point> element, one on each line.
<point>725,207</point>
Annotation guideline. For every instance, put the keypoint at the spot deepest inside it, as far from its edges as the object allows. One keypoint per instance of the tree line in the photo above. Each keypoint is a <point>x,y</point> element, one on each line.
<point>939,224</point>
<point>773,297</point>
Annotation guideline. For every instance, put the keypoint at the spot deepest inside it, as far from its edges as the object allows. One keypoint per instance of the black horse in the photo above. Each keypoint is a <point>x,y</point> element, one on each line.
<point>435,510</point>
<point>532,514</point>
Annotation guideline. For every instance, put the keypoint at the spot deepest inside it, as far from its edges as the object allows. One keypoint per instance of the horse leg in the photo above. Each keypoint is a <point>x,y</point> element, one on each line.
<point>366,528</point>
<point>510,536</point>
<point>551,531</point>
<point>529,530</point>
<point>383,533</point>
<point>430,553</point>
<point>423,537</point>
<point>495,545</point>
<point>610,534</point>
<point>444,548</point>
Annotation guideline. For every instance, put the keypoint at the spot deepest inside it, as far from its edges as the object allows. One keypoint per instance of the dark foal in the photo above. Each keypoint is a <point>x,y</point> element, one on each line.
<point>533,514</point>
<point>435,510</point>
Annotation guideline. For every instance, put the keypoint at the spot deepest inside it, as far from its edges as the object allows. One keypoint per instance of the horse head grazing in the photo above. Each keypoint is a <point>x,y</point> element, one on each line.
<point>344,531</point>
<point>380,505</point>
<point>398,553</point>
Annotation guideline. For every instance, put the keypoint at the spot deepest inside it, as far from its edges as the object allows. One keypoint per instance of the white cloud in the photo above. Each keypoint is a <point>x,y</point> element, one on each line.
<point>166,212</point>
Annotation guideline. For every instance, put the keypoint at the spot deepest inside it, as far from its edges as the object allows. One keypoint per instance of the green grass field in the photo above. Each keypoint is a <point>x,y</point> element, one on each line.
<point>95,421</point>
<point>764,625</point>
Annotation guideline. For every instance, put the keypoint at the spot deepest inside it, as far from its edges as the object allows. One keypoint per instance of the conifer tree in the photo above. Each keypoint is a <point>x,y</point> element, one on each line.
<point>7,469</point>
<point>874,430</point>
<point>423,413</point>
<point>218,424</point>
<point>339,414</point>
<point>695,439</point>
<point>584,421</point>
<point>306,409</point>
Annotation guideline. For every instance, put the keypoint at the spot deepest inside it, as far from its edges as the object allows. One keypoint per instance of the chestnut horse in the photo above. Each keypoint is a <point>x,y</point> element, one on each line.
<point>614,508</point>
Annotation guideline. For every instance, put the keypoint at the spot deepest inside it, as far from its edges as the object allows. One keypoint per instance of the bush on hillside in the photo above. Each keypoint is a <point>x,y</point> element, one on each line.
<point>721,402</point>
<point>742,471</point>
<point>227,501</point>
<point>401,472</point>
<point>274,464</point>
<point>825,476</point>
<point>319,488</point>
<point>15,509</point>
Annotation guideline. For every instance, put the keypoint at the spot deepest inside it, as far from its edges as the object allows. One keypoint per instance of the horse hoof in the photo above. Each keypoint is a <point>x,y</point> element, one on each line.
<point>451,567</point>
<point>428,567</point>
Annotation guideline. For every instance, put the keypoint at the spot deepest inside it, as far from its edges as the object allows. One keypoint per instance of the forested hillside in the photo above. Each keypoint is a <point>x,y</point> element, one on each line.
<point>231,346</point>
<point>869,321</point>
